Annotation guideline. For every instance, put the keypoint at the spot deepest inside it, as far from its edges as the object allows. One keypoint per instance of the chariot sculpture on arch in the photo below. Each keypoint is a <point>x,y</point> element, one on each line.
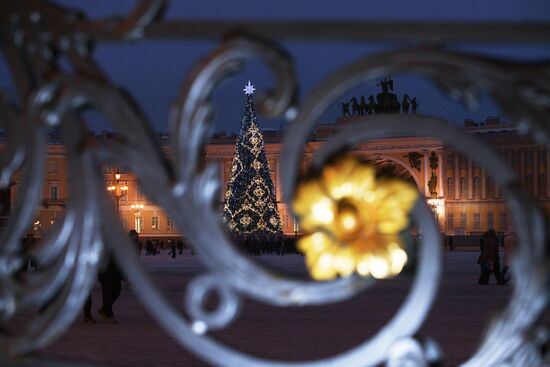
<point>386,101</point>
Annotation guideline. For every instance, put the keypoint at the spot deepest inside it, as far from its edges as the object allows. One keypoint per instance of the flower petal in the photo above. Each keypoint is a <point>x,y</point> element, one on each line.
<point>313,206</point>
<point>348,178</point>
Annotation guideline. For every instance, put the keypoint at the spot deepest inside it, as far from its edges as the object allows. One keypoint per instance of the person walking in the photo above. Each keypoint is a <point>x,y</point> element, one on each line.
<point>88,318</point>
<point>134,237</point>
<point>111,285</point>
<point>148,247</point>
<point>488,260</point>
<point>450,243</point>
<point>172,249</point>
<point>510,242</point>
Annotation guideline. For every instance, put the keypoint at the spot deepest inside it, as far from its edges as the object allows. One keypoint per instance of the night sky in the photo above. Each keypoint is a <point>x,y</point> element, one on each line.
<point>152,71</point>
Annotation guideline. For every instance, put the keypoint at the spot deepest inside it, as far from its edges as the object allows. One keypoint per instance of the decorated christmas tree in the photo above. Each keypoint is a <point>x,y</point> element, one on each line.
<point>250,205</point>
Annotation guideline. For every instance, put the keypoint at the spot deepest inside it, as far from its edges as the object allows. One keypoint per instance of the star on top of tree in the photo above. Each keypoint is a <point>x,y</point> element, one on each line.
<point>249,88</point>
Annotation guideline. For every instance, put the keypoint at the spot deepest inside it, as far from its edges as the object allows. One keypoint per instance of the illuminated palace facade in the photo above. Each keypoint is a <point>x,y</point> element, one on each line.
<point>463,195</point>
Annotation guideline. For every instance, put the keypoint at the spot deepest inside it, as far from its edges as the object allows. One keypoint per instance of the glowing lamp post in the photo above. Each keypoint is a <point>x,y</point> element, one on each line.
<point>118,190</point>
<point>137,213</point>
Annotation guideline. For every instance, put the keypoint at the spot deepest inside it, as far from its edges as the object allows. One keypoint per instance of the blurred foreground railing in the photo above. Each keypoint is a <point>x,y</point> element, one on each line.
<point>36,37</point>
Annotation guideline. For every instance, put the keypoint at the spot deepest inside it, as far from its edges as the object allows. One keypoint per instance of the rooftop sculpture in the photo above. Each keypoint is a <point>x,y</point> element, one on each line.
<point>386,102</point>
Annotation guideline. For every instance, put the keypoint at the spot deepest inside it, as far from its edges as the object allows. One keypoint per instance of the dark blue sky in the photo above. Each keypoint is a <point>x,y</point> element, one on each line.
<point>152,70</point>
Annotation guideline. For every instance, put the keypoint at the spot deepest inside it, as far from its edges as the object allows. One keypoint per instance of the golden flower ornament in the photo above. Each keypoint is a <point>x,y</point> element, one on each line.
<point>351,220</point>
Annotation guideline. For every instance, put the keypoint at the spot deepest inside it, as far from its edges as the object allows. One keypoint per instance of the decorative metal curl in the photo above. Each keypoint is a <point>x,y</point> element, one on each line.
<point>63,279</point>
<point>530,296</point>
<point>226,310</point>
<point>69,255</point>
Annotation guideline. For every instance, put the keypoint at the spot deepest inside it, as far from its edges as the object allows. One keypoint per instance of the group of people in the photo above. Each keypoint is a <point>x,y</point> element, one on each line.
<point>110,277</point>
<point>179,246</point>
<point>260,243</point>
<point>489,258</point>
<point>152,248</point>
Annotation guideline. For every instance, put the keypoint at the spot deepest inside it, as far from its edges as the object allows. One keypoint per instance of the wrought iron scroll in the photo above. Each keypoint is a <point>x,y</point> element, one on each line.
<point>35,36</point>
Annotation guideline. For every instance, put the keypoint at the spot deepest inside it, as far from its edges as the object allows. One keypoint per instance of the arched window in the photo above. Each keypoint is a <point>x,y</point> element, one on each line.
<point>463,188</point>
<point>477,188</point>
<point>450,188</point>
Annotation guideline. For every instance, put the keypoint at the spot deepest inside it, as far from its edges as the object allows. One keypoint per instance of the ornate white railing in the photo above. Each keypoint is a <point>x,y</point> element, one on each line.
<point>35,35</point>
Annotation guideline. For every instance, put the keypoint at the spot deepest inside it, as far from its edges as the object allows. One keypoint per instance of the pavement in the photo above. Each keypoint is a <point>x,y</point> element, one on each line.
<point>456,321</point>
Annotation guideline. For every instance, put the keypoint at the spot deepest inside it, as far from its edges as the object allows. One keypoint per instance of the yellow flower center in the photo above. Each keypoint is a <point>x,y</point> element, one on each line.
<point>348,220</point>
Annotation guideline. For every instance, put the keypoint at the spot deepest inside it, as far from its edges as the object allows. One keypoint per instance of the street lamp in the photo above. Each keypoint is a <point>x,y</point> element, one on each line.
<point>137,213</point>
<point>118,190</point>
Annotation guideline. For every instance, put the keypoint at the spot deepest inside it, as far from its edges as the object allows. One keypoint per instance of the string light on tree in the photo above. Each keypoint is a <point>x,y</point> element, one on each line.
<point>250,206</point>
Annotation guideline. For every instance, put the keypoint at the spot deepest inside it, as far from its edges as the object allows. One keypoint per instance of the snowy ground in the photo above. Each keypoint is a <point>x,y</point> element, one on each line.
<point>457,320</point>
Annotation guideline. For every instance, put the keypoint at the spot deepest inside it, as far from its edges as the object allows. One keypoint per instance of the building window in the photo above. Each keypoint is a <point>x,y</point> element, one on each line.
<point>169,223</point>
<point>477,221</point>
<point>139,224</point>
<point>450,187</point>
<point>490,188</point>
<point>542,186</point>
<point>154,223</point>
<point>52,167</point>
<point>477,188</point>
<point>463,188</point>
<point>490,220</point>
<point>463,220</point>
<point>503,221</point>
<point>54,191</point>
<point>450,221</point>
